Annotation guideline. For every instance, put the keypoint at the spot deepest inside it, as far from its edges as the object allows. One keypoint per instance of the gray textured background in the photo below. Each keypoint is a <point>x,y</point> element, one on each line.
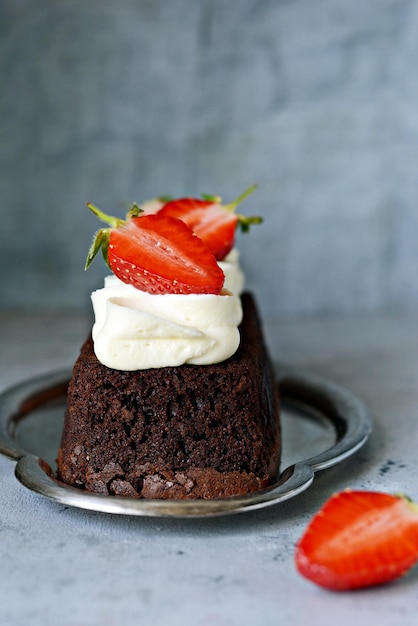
<point>316,101</point>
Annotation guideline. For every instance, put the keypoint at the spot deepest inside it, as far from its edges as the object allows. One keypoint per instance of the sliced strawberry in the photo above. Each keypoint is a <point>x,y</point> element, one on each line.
<point>208,220</point>
<point>157,254</point>
<point>213,222</point>
<point>154,204</point>
<point>359,539</point>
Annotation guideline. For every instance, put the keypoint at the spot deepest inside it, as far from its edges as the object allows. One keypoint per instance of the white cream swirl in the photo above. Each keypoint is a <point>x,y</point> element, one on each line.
<point>234,276</point>
<point>136,330</point>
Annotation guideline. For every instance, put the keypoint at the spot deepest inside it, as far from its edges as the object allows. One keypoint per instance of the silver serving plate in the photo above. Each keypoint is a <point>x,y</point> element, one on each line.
<point>322,423</point>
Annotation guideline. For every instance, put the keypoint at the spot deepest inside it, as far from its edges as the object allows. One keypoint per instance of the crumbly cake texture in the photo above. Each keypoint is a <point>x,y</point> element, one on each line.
<point>182,432</point>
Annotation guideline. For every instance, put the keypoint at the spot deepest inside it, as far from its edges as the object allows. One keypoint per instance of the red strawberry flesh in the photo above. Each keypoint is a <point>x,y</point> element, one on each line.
<point>162,255</point>
<point>213,222</point>
<point>359,539</point>
<point>209,220</point>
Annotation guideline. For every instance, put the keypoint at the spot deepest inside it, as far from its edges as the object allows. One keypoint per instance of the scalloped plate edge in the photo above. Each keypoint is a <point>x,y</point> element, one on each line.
<point>347,413</point>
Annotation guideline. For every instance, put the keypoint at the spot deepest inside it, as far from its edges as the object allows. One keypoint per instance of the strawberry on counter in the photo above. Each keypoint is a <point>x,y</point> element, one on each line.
<point>359,539</point>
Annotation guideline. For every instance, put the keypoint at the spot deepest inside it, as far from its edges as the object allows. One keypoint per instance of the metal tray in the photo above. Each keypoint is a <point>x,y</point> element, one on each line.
<point>322,423</point>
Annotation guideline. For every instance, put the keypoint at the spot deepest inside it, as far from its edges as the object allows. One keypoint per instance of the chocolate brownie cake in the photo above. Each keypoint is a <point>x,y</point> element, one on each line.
<point>180,432</point>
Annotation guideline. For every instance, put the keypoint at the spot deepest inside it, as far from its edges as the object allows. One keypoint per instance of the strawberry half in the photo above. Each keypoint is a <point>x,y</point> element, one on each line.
<point>212,221</point>
<point>359,539</point>
<point>157,254</point>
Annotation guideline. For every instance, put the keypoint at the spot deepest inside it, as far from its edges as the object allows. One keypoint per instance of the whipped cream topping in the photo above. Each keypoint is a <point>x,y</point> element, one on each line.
<point>136,330</point>
<point>234,276</point>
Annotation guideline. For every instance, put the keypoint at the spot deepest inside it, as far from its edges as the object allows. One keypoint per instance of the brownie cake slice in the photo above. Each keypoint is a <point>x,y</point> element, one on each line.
<point>180,432</point>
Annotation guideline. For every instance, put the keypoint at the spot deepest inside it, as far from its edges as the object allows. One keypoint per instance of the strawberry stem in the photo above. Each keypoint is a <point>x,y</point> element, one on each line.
<point>113,222</point>
<point>210,198</point>
<point>231,206</point>
<point>100,240</point>
<point>245,222</point>
<point>134,211</point>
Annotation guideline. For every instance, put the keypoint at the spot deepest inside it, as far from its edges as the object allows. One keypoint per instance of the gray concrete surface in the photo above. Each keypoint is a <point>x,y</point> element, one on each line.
<point>80,568</point>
